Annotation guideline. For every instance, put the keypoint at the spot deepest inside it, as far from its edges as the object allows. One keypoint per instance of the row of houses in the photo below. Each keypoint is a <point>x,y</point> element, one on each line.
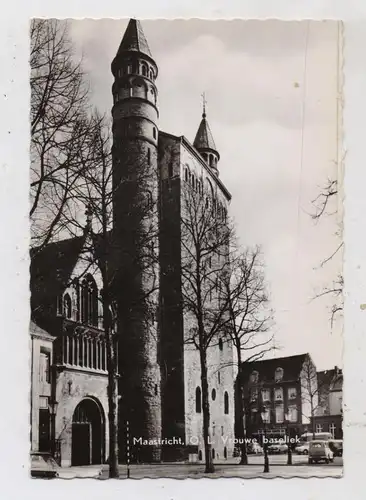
<point>295,396</point>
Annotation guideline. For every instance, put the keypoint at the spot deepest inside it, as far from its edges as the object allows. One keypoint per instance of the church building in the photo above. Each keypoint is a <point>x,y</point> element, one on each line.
<point>159,373</point>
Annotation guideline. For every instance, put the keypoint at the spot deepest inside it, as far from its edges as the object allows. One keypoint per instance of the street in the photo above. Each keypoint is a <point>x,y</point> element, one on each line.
<point>278,468</point>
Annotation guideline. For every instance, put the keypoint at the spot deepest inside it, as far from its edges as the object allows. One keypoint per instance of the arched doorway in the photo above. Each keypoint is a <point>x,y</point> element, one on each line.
<point>87,433</point>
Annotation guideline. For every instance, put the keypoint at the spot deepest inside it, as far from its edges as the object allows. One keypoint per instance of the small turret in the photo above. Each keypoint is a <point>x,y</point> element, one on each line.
<point>205,144</point>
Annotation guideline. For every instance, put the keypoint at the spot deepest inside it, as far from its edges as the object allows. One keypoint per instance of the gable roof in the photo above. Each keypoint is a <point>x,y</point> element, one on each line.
<point>330,379</point>
<point>134,39</point>
<point>39,332</point>
<point>50,272</point>
<point>266,368</point>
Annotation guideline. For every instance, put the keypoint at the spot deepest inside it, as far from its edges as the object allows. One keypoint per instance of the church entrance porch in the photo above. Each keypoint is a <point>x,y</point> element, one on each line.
<point>88,433</point>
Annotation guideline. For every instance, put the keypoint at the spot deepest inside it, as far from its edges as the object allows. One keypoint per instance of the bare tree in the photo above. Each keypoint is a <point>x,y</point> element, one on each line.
<point>245,290</point>
<point>120,296</point>
<point>60,128</point>
<point>205,237</point>
<point>314,392</point>
<point>321,204</point>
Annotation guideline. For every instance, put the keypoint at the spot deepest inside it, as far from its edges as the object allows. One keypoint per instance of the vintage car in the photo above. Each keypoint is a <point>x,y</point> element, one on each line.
<point>320,450</point>
<point>43,465</point>
<point>277,448</point>
<point>302,448</point>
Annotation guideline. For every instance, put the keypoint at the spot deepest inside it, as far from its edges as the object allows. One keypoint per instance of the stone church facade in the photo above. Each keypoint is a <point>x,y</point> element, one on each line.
<point>159,374</point>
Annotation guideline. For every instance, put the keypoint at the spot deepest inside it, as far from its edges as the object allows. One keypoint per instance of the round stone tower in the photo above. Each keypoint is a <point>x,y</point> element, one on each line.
<point>135,240</point>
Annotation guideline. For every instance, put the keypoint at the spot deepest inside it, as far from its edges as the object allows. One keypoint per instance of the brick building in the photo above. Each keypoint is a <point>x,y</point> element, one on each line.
<point>281,386</point>
<point>329,415</point>
<point>159,372</point>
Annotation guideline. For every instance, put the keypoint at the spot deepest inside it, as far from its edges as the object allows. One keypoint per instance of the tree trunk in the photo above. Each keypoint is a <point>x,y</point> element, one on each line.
<point>112,391</point>
<point>241,410</point>
<point>312,418</point>
<point>209,467</point>
<point>113,424</point>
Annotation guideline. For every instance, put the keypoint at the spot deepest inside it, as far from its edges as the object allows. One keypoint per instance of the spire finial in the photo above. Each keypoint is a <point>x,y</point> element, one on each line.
<point>204,102</point>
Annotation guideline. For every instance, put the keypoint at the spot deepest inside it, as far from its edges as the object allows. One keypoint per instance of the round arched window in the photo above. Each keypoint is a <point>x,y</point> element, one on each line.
<point>213,394</point>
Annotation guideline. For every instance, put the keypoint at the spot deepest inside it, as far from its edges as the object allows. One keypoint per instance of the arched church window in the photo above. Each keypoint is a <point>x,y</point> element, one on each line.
<point>89,301</point>
<point>151,74</point>
<point>144,69</point>
<point>139,88</point>
<point>186,174</point>
<point>154,132</point>
<point>67,306</point>
<point>198,400</point>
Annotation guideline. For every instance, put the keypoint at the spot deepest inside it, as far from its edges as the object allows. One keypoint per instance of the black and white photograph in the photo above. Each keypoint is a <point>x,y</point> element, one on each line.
<point>186,248</point>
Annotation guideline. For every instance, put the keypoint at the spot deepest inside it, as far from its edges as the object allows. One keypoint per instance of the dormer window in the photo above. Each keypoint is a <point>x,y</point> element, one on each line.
<point>254,377</point>
<point>278,374</point>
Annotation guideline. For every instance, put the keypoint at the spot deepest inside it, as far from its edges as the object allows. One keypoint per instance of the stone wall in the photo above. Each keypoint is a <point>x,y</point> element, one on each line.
<point>71,388</point>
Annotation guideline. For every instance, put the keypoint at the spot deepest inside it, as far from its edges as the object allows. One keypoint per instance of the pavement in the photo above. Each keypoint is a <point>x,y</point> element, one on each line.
<point>277,465</point>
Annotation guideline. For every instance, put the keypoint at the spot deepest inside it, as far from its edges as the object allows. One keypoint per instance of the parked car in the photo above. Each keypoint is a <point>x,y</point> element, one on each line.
<point>254,448</point>
<point>43,465</point>
<point>336,445</point>
<point>320,450</point>
<point>302,448</point>
<point>277,448</point>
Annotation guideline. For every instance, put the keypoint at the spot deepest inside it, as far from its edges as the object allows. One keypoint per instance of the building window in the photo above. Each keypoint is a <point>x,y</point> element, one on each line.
<point>292,410</point>
<point>213,394</point>
<point>154,132</point>
<point>218,377</point>
<point>44,430</point>
<point>44,366</point>
<point>186,174</point>
<point>332,429</point>
<point>225,452</point>
<point>144,70</point>
<point>156,389</point>
<point>148,156</point>
<point>266,395</point>
<point>89,301</point>
<point>129,69</point>
<point>67,306</point>
<point>279,414</point>
<point>278,374</point>
<point>198,400</point>
<point>291,393</point>
<point>318,428</point>
<point>226,403</point>
<point>254,377</point>
<point>254,395</point>
<point>221,346</point>
<point>170,170</point>
<point>279,394</point>
<point>200,455</point>
<point>222,430</point>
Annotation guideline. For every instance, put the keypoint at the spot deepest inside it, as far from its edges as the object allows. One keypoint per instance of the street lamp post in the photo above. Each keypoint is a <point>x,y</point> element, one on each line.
<point>265,415</point>
<point>52,408</point>
<point>289,450</point>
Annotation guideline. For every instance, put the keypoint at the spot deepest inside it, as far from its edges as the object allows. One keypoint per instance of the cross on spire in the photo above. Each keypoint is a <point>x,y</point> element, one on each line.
<point>204,102</point>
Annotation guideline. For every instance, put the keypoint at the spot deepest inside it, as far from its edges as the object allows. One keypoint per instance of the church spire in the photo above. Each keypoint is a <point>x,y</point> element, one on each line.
<point>134,39</point>
<point>204,142</point>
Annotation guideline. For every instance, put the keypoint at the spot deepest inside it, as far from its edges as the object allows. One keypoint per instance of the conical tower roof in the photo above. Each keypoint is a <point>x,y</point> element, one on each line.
<point>204,139</point>
<point>134,39</point>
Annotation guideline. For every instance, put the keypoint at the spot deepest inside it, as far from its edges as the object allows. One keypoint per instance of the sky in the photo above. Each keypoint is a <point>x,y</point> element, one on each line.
<point>272,91</point>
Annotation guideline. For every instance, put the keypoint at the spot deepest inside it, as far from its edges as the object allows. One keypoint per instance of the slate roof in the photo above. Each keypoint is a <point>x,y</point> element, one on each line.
<point>134,39</point>
<point>266,368</point>
<point>204,139</point>
<point>50,271</point>
<point>39,332</point>
<point>332,379</point>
